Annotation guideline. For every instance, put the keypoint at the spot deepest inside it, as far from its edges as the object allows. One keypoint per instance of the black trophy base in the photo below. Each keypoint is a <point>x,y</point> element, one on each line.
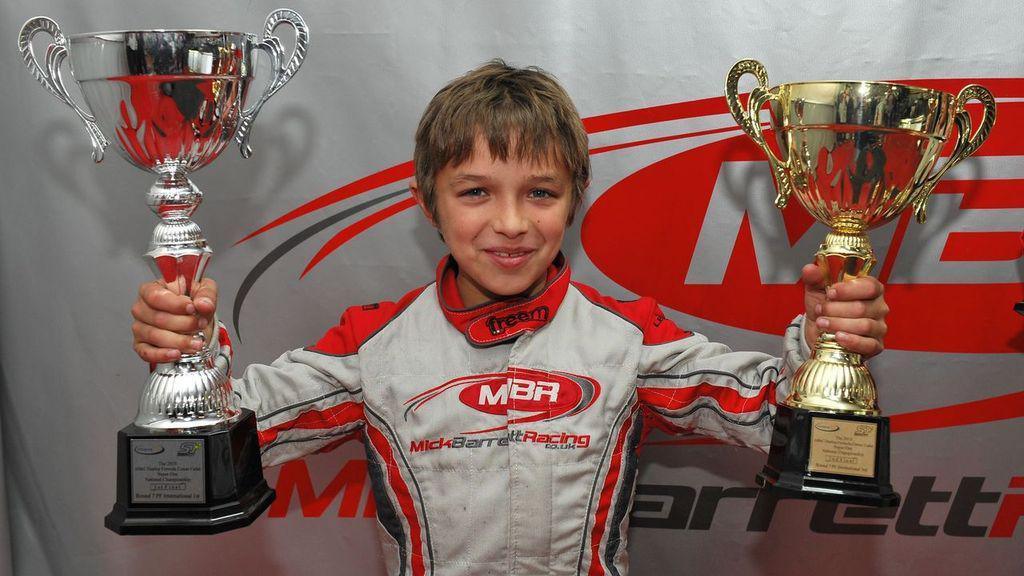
<point>789,471</point>
<point>181,482</point>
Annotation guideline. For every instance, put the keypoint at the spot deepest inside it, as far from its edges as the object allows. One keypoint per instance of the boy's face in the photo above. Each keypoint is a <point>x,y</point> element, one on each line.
<point>503,221</point>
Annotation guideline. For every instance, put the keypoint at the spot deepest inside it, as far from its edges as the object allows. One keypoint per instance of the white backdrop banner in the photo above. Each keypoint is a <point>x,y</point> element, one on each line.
<point>680,208</point>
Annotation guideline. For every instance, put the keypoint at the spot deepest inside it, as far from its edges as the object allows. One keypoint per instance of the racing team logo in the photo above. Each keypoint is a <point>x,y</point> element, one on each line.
<point>677,229</point>
<point>689,226</point>
<point>521,395</point>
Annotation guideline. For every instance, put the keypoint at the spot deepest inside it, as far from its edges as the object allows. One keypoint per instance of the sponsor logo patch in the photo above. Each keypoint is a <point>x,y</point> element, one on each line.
<point>498,325</point>
<point>523,395</point>
<point>549,441</point>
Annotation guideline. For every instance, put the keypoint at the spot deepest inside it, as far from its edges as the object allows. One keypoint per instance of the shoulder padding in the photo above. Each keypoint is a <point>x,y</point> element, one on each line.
<point>644,313</point>
<point>359,323</point>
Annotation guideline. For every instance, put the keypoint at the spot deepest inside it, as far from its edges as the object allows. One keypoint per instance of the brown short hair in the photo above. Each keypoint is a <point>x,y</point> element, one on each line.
<point>521,107</point>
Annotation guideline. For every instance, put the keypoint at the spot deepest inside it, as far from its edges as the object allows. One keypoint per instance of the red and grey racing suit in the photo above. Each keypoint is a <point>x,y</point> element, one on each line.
<point>502,439</point>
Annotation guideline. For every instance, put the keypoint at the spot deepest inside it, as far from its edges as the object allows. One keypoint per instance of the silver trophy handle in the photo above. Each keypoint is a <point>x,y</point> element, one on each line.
<point>50,76</point>
<point>281,73</point>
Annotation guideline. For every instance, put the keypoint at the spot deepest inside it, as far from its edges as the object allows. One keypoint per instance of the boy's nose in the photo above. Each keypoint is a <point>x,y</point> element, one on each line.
<point>510,220</point>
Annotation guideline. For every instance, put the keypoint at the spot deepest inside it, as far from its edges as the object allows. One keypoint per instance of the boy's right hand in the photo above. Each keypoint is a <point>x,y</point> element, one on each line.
<point>167,323</point>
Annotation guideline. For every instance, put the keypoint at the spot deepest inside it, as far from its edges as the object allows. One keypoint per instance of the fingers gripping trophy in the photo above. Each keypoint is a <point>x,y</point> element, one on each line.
<point>855,155</point>
<point>172,100</point>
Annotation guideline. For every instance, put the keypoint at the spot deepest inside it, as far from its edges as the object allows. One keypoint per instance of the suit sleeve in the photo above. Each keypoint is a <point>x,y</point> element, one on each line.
<point>309,399</point>
<point>687,384</point>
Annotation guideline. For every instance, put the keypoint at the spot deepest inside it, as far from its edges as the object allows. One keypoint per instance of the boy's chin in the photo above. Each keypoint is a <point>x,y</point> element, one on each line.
<point>519,290</point>
<point>512,294</point>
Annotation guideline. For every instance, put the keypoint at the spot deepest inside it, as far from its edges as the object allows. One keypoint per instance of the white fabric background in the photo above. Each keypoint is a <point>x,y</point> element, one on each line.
<point>71,235</point>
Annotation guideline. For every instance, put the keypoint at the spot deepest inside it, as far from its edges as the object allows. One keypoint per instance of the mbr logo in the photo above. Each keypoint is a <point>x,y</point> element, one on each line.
<point>522,395</point>
<point>487,396</point>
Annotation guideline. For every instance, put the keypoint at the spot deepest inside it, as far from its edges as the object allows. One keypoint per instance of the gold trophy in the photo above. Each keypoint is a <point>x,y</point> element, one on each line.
<point>855,155</point>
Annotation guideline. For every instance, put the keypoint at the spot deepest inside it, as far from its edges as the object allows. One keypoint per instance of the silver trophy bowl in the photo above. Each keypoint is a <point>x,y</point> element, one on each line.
<point>171,100</point>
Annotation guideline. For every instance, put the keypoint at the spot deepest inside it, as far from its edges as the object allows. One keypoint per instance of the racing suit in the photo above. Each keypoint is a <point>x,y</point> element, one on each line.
<point>502,439</point>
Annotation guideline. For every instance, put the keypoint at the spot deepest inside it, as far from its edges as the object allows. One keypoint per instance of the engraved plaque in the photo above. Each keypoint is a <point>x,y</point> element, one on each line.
<point>168,470</point>
<point>843,447</point>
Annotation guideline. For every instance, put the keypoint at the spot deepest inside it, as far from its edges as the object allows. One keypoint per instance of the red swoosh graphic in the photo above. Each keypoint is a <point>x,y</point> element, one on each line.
<point>352,230</point>
<point>612,147</point>
<point>994,409</point>
<point>976,412</point>
<point>375,180</point>
<point>663,113</point>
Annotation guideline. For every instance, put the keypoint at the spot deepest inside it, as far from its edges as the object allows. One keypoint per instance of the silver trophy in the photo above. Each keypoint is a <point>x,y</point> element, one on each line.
<point>172,100</point>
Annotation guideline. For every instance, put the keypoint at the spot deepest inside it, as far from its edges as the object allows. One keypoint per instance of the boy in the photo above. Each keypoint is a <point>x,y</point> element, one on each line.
<point>502,405</point>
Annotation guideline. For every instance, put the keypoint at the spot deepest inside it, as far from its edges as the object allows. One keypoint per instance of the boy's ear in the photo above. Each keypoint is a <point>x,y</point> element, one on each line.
<point>415,189</point>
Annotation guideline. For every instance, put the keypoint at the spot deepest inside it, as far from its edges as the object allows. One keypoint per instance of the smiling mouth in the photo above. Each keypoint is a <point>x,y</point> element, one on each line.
<point>509,258</point>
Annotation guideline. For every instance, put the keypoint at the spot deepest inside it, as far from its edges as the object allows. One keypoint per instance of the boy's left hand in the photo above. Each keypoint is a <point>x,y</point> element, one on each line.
<point>854,311</point>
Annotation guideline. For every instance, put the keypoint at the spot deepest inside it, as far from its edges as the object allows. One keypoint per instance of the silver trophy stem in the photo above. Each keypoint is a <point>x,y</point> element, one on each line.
<point>194,391</point>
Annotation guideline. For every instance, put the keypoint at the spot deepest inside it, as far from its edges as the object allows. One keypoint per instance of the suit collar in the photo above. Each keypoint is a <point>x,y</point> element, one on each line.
<point>501,320</point>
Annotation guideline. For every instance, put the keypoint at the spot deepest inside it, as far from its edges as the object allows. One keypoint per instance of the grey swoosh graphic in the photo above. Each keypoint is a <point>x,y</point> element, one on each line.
<point>289,244</point>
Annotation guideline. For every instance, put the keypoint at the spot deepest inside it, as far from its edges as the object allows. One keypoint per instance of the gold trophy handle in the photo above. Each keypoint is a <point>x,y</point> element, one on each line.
<point>732,94</point>
<point>749,119</point>
<point>967,143</point>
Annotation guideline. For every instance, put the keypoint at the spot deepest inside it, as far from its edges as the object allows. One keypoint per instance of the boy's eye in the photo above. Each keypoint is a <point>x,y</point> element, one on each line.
<point>473,192</point>
<point>541,193</point>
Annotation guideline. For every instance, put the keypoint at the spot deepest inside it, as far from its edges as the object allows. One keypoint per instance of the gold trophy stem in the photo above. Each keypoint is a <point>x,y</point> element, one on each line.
<point>835,379</point>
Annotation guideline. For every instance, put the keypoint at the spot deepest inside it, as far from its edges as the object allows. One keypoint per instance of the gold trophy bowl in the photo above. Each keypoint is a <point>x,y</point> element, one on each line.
<point>855,155</point>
